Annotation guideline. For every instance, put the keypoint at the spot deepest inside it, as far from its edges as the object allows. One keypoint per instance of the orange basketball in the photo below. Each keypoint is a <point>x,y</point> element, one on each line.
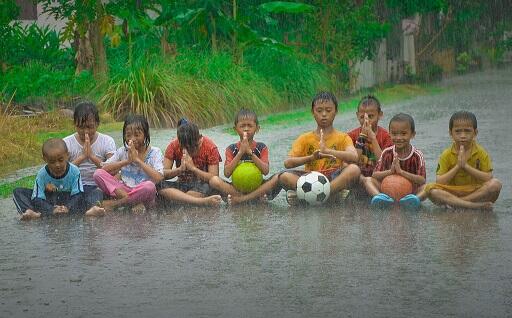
<point>396,186</point>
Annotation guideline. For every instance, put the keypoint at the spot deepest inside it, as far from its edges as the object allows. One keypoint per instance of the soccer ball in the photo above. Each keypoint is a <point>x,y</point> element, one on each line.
<point>314,188</point>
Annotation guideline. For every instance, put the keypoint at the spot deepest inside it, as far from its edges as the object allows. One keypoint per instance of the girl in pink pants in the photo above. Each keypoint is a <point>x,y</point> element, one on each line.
<point>129,176</point>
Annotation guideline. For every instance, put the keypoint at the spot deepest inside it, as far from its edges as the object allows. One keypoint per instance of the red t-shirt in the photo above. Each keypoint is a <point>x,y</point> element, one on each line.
<point>207,155</point>
<point>368,159</point>
<point>258,148</point>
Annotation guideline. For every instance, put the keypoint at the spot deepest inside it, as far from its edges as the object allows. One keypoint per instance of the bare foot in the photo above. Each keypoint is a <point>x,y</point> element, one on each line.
<point>263,199</point>
<point>139,208</point>
<point>108,205</point>
<point>486,206</point>
<point>291,198</point>
<point>213,200</point>
<point>95,211</point>
<point>30,214</point>
<point>234,199</point>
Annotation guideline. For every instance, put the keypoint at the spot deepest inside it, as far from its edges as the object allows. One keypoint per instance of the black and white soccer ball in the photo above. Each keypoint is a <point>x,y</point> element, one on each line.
<point>314,188</point>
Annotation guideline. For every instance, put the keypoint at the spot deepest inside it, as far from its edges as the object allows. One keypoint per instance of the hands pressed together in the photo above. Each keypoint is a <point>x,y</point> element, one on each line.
<point>323,151</point>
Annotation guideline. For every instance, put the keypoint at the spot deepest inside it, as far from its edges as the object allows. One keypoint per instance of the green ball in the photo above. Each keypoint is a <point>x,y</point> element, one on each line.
<point>247,177</point>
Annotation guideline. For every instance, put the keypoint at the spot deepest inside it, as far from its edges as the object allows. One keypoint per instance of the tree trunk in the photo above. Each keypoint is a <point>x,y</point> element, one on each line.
<point>214,33</point>
<point>100,67</point>
<point>84,55</point>
<point>237,53</point>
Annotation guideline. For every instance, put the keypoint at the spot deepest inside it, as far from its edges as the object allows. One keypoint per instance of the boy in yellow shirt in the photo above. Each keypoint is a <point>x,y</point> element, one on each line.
<point>464,173</point>
<point>324,149</point>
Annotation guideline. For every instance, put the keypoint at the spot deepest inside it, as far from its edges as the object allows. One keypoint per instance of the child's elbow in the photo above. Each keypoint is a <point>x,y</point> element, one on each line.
<point>159,178</point>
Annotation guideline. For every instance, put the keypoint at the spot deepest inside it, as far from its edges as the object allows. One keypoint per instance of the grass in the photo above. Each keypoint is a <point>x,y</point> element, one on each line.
<point>386,95</point>
<point>7,188</point>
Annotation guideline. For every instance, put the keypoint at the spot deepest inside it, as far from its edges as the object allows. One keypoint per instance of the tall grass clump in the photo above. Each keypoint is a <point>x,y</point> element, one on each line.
<point>19,139</point>
<point>206,89</point>
<point>296,78</point>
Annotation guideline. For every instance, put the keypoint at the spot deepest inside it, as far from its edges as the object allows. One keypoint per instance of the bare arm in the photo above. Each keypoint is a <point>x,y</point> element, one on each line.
<point>379,175</point>
<point>348,155</point>
<point>414,178</point>
<point>155,176</point>
<point>230,167</point>
<point>292,162</point>
<point>263,166</point>
<point>213,170</point>
<point>169,172</point>
<point>114,167</point>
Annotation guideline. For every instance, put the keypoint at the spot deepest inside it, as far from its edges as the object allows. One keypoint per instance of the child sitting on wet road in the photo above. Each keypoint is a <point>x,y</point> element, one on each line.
<point>369,139</point>
<point>130,175</point>
<point>464,172</point>
<point>246,150</point>
<point>402,159</point>
<point>88,149</point>
<point>58,187</point>
<point>324,149</point>
<point>196,160</point>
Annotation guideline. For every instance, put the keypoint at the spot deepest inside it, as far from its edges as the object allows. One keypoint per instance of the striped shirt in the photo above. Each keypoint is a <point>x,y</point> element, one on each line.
<point>413,163</point>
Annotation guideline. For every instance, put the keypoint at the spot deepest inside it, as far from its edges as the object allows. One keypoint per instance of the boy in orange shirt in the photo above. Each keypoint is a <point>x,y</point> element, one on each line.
<point>324,149</point>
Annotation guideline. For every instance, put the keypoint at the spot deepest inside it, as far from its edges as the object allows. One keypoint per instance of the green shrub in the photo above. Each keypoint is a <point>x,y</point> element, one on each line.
<point>35,80</point>
<point>431,72</point>
<point>295,78</point>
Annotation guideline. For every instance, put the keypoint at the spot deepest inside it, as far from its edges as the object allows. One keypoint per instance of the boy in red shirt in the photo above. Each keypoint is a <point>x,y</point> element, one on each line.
<point>246,150</point>
<point>370,138</point>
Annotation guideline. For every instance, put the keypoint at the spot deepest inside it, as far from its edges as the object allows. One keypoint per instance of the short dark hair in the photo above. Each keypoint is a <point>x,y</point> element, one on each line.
<point>463,116</point>
<point>404,118</point>
<point>324,97</point>
<point>369,100</point>
<point>246,114</point>
<point>140,122</point>
<point>53,143</point>
<point>84,111</point>
<point>188,135</point>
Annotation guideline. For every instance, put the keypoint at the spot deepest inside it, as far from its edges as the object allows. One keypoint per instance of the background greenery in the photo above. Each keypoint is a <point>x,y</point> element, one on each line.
<point>205,59</point>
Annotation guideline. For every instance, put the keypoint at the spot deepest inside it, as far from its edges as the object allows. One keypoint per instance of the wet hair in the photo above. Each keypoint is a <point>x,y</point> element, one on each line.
<point>404,118</point>
<point>325,97</point>
<point>246,114</point>
<point>138,122</point>
<point>54,143</point>
<point>188,135</point>
<point>84,111</point>
<point>463,116</point>
<point>369,100</point>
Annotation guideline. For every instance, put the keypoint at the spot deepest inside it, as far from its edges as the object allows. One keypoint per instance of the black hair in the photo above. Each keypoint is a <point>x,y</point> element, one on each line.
<point>139,122</point>
<point>404,118</point>
<point>463,116</point>
<point>369,100</point>
<point>246,114</point>
<point>324,97</point>
<point>84,111</point>
<point>53,143</point>
<point>188,135</point>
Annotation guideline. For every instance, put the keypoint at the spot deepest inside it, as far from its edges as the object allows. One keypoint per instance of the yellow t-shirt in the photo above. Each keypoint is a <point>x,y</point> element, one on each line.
<point>479,160</point>
<point>307,143</point>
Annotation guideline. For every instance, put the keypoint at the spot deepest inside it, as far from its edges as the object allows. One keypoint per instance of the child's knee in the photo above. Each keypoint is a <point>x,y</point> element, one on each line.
<point>352,170</point>
<point>494,185</point>
<point>99,174</point>
<point>215,182</point>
